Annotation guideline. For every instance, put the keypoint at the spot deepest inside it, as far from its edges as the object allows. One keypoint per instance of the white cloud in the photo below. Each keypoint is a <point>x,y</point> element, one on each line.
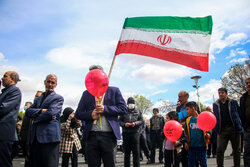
<point>238,51</point>
<point>5,68</point>
<point>71,94</point>
<point>77,56</point>
<point>2,59</point>
<point>161,104</point>
<point>158,92</point>
<point>29,87</point>
<point>235,38</point>
<point>211,58</point>
<point>219,41</point>
<point>239,60</point>
<point>1,56</point>
<point>207,92</point>
<point>232,54</point>
<point>28,84</point>
<point>126,95</point>
<point>161,74</point>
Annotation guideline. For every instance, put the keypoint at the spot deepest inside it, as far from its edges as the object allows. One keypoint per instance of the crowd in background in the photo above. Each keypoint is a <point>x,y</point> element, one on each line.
<point>98,130</point>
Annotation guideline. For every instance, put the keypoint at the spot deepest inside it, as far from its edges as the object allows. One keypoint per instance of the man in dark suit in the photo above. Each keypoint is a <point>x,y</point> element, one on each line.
<point>101,137</point>
<point>45,134</point>
<point>10,100</point>
<point>245,117</point>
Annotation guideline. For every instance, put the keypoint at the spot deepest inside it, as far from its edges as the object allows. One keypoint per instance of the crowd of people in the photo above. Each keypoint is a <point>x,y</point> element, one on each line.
<point>100,125</point>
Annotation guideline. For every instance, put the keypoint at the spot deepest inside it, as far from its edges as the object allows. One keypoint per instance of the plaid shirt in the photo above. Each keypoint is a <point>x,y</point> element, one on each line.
<point>69,137</point>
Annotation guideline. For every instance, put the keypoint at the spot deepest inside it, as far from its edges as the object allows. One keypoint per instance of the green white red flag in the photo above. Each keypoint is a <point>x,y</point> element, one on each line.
<point>182,40</point>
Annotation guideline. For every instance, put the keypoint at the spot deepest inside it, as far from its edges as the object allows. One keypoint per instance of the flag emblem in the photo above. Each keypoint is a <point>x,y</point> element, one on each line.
<point>164,39</point>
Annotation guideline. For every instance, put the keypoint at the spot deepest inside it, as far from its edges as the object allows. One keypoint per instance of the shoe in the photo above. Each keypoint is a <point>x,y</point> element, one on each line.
<point>161,162</point>
<point>150,162</point>
<point>141,159</point>
<point>208,156</point>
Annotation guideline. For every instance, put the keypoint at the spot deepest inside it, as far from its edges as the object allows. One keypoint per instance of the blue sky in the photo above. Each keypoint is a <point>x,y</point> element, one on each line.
<point>66,37</point>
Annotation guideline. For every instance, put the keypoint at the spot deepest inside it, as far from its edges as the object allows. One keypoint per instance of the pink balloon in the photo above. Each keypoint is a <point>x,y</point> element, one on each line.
<point>96,82</point>
<point>206,121</point>
<point>172,130</point>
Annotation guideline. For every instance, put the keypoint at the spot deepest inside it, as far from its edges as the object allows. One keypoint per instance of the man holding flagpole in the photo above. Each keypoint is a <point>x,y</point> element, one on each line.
<point>101,138</point>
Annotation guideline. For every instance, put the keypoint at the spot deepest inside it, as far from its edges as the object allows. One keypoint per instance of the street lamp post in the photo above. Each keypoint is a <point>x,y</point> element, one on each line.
<point>196,78</point>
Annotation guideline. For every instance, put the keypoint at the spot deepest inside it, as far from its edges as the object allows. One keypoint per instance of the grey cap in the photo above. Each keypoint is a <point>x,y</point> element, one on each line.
<point>95,67</point>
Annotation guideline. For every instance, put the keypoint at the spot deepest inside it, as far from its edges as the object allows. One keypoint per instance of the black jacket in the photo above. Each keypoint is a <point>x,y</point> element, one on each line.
<point>243,110</point>
<point>130,117</point>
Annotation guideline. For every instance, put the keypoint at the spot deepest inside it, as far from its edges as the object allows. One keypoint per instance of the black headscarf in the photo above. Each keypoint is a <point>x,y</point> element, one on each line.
<point>66,112</point>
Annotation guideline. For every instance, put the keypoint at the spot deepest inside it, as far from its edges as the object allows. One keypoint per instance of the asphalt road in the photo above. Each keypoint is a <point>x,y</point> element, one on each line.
<point>228,160</point>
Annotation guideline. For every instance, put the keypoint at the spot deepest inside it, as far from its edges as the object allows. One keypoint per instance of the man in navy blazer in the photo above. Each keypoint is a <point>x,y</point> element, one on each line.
<point>10,100</point>
<point>101,135</point>
<point>45,134</point>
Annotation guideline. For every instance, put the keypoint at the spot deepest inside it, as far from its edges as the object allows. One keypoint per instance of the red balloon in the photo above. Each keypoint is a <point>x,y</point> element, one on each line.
<point>96,82</point>
<point>206,121</point>
<point>172,130</point>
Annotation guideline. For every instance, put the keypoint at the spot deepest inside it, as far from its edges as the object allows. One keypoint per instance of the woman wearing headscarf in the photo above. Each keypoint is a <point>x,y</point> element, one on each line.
<point>70,143</point>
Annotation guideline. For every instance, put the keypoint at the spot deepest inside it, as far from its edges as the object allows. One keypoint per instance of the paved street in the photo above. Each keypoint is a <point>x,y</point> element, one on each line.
<point>19,162</point>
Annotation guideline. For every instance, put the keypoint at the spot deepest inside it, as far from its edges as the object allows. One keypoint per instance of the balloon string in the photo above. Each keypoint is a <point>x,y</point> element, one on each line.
<point>95,121</point>
<point>173,154</point>
<point>98,101</point>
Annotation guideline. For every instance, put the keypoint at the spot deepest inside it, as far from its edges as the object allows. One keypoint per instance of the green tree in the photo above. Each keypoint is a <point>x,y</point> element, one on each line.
<point>203,107</point>
<point>142,103</point>
<point>21,114</point>
<point>234,80</point>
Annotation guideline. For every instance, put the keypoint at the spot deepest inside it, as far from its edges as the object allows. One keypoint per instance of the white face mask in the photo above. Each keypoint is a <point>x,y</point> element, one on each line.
<point>131,106</point>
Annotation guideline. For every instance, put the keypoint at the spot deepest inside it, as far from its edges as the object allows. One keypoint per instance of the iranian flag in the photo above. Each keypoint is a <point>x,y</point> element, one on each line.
<point>182,40</point>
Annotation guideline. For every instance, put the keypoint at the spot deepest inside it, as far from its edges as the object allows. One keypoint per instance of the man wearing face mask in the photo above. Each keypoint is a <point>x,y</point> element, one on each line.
<point>130,123</point>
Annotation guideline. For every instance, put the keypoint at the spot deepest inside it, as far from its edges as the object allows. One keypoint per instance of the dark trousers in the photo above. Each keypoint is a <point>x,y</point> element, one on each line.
<point>144,147</point>
<point>213,146</point>
<point>5,153</point>
<point>73,156</point>
<point>131,142</point>
<point>246,154</point>
<point>100,146</point>
<point>228,134</point>
<point>26,153</point>
<point>184,157</point>
<point>197,154</point>
<point>171,158</point>
<point>44,154</point>
<point>156,140</point>
<point>15,149</point>
<point>83,144</point>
